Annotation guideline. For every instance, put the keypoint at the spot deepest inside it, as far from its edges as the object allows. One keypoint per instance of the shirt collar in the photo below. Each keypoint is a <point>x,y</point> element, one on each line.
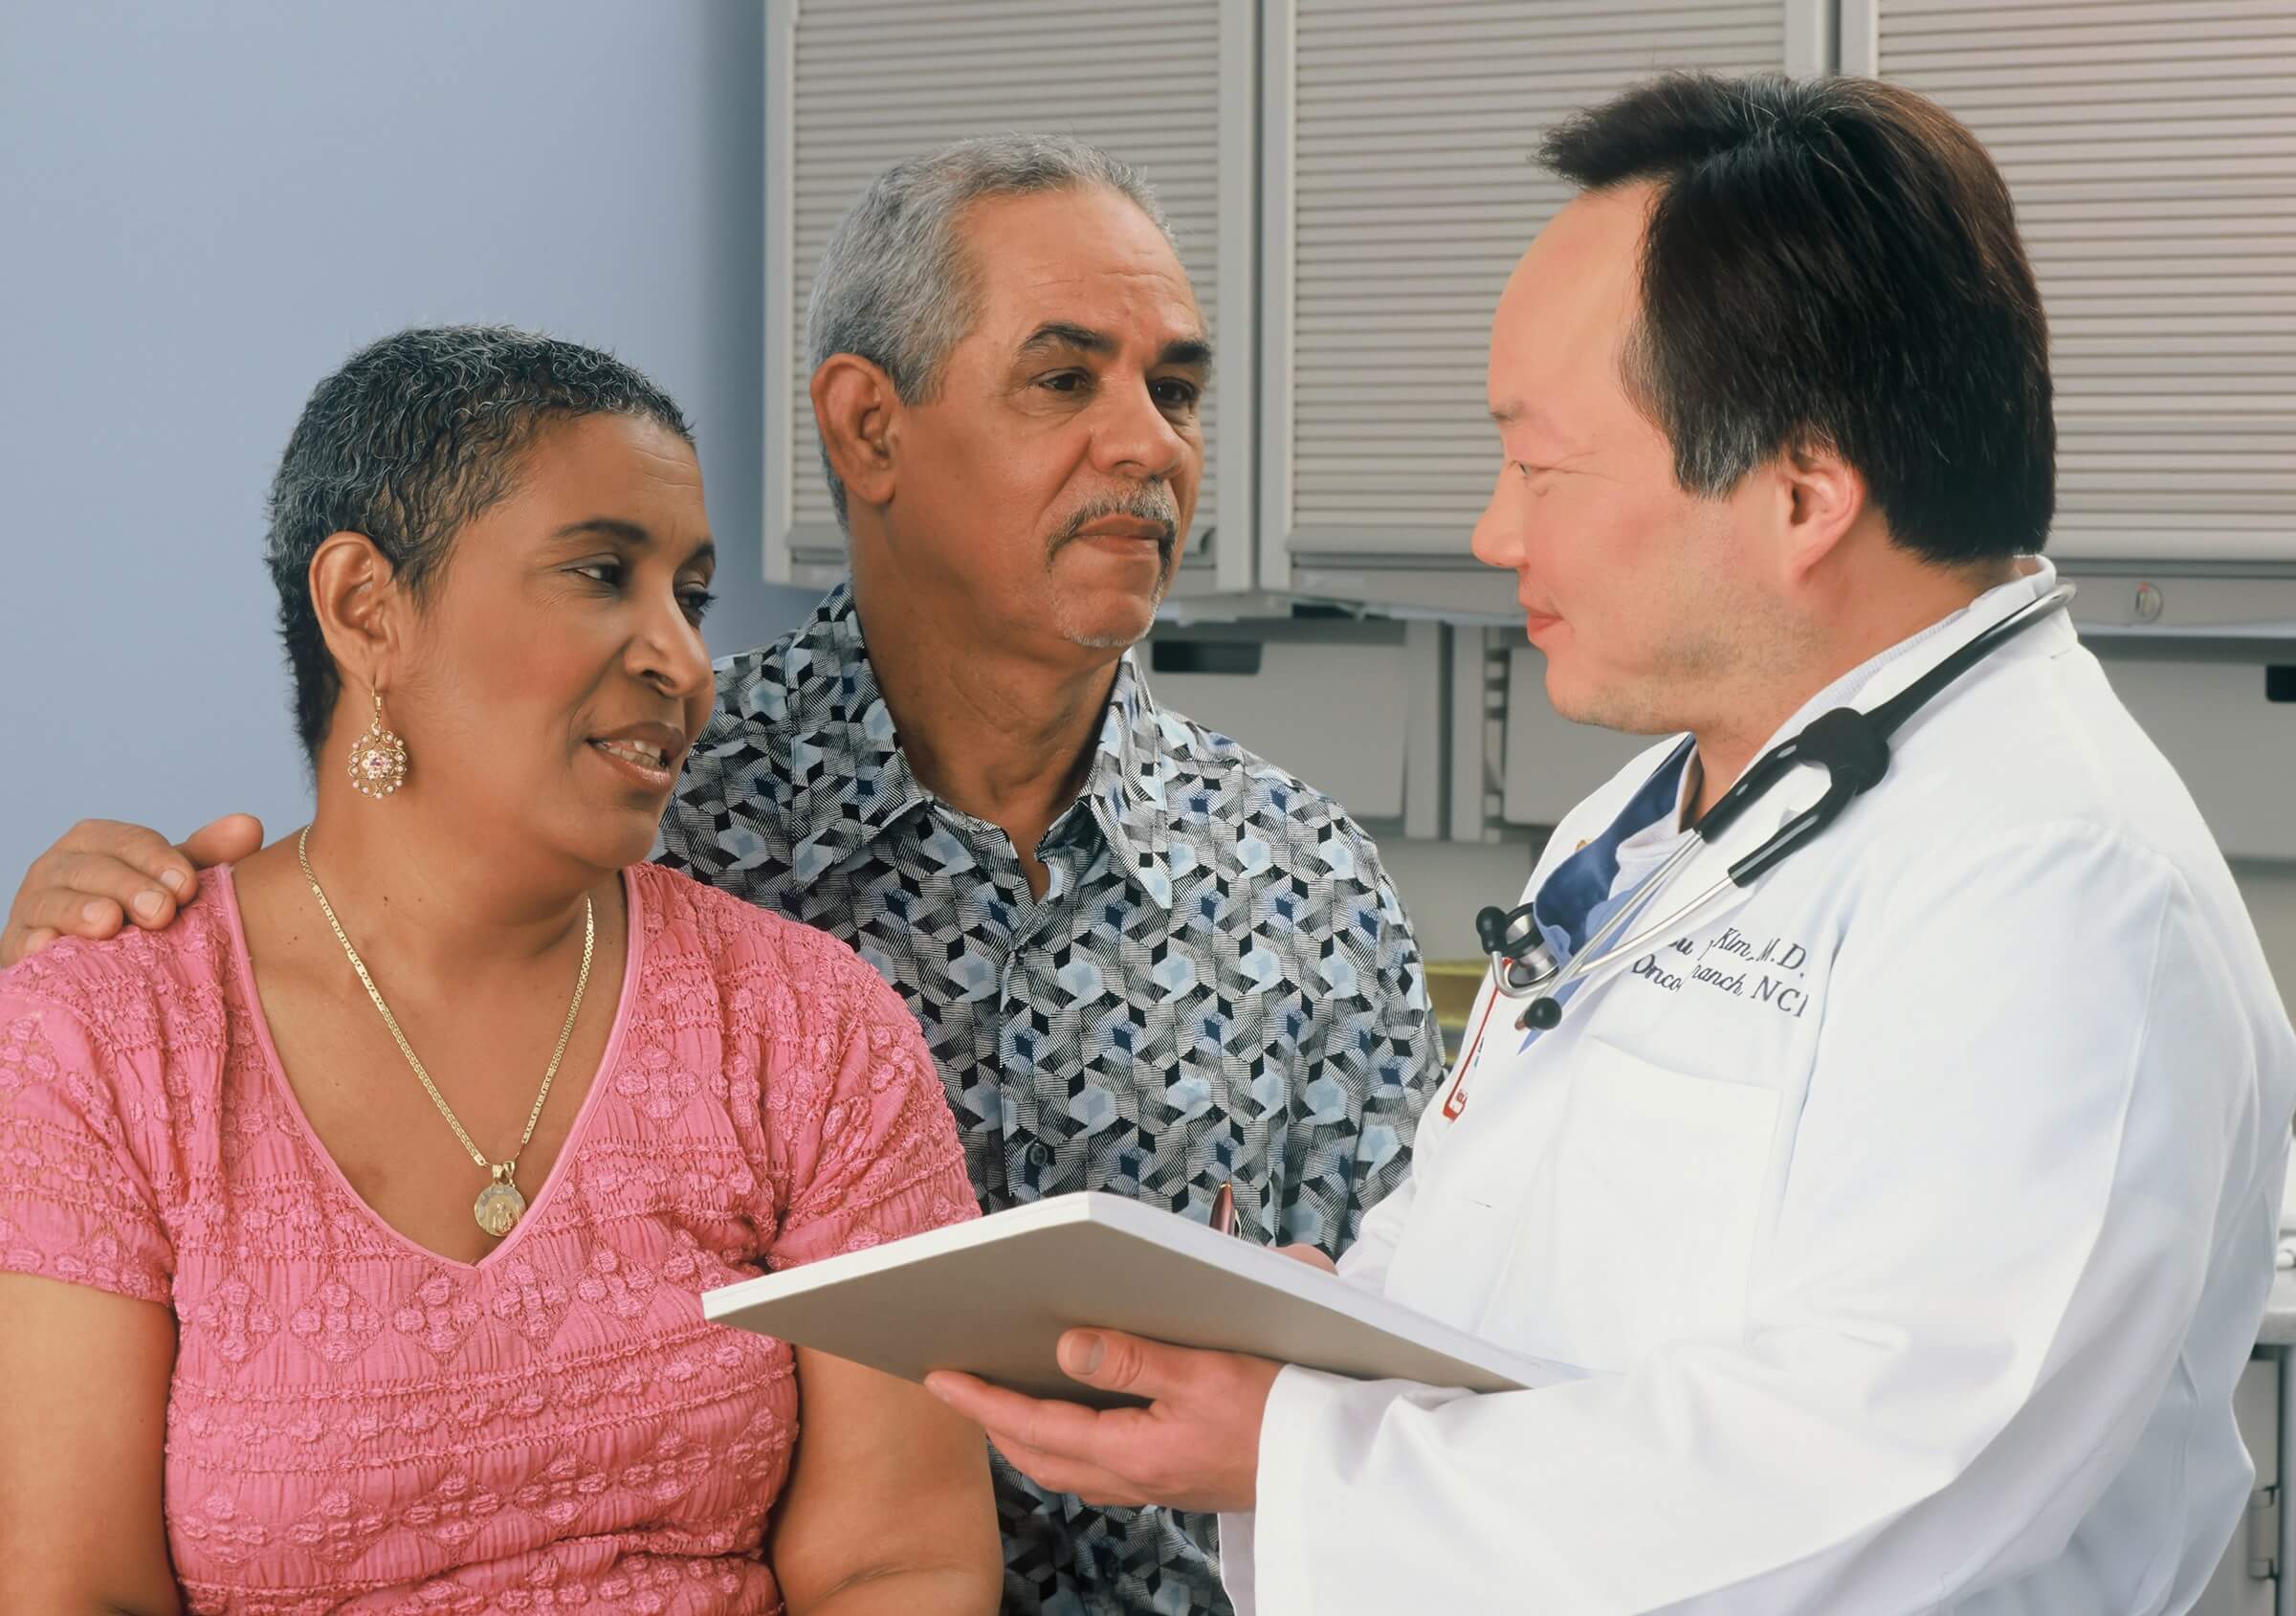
<point>848,781</point>
<point>846,776</point>
<point>1584,881</point>
<point>1134,766</point>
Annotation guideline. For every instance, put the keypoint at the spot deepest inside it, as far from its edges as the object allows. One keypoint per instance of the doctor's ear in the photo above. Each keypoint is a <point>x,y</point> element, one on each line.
<point>856,409</point>
<point>1822,497</point>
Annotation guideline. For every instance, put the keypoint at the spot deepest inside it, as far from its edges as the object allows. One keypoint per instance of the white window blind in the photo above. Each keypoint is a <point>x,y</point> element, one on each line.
<point>2150,145</point>
<point>873,81</point>
<point>1413,190</point>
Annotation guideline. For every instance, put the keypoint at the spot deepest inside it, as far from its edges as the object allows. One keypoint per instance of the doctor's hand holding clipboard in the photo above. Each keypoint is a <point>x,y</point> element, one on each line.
<point>1196,1446</point>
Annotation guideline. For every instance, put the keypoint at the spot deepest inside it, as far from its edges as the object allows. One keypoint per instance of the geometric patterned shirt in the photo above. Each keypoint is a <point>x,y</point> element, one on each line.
<point>1218,985</point>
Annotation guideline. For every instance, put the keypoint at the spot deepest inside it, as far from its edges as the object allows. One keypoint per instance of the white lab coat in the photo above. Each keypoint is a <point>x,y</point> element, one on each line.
<point>1913,1215</point>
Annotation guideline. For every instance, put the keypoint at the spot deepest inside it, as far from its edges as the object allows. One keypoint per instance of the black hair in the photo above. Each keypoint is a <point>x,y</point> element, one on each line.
<point>1833,262</point>
<point>411,438</point>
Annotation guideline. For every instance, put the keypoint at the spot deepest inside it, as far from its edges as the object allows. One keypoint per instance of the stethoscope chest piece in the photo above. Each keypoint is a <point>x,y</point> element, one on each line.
<point>1525,966</point>
<point>1518,953</point>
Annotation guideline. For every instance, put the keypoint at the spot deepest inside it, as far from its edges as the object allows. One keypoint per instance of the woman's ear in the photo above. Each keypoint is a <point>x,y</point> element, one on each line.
<point>356,594</point>
<point>857,411</point>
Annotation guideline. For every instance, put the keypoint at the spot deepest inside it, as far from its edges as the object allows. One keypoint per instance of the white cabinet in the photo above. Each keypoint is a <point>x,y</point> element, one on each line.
<point>2233,745</point>
<point>1399,188</point>
<point>2150,145</point>
<point>1352,179</point>
<point>1352,708</point>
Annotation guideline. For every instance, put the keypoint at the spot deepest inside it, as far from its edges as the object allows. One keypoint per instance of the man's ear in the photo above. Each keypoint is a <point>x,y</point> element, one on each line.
<point>857,411</point>
<point>1821,496</point>
<point>356,594</point>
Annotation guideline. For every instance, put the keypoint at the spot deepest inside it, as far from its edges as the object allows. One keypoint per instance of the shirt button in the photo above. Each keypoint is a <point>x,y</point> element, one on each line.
<point>1039,1153</point>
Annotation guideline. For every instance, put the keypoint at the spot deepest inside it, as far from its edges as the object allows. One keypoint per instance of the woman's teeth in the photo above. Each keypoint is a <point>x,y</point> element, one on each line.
<point>635,752</point>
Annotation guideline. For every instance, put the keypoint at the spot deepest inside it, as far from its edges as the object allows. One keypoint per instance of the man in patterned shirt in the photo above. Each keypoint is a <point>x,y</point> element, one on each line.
<point>1147,960</point>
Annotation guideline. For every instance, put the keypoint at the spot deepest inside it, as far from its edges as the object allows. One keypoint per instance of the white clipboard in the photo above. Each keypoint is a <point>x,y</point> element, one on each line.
<point>993,1295</point>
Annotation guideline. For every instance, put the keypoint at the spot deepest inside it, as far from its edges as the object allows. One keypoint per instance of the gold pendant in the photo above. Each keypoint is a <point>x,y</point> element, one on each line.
<point>499,1204</point>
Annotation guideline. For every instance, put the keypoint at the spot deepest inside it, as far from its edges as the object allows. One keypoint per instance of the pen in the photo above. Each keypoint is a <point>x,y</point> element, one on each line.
<point>1223,1210</point>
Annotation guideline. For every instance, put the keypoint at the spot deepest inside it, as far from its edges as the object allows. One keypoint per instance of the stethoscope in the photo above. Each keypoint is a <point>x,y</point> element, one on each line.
<point>1852,747</point>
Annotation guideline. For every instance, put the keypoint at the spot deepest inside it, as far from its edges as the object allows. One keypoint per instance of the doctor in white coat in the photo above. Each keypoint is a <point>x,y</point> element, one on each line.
<point>1911,1212</point>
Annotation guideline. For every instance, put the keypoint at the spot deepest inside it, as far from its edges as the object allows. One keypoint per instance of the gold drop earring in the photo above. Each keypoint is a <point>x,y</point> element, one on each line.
<point>378,758</point>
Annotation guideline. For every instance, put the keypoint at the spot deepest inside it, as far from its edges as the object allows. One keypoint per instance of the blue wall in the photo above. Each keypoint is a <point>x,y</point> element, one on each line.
<point>206,207</point>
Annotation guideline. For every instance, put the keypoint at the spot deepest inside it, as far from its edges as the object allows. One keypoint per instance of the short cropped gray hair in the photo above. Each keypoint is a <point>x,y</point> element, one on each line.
<point>411,438</point>
<point>895,287</point>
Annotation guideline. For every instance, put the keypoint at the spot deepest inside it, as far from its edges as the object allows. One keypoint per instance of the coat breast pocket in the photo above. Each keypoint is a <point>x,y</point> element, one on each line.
<point>1639,1219</point>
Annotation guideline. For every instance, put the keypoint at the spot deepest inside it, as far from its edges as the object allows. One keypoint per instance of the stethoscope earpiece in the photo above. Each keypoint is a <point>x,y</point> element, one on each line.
<point>1492,925</point>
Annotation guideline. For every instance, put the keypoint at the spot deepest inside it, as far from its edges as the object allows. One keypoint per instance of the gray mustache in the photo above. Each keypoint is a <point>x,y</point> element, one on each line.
<point>1152,504</point>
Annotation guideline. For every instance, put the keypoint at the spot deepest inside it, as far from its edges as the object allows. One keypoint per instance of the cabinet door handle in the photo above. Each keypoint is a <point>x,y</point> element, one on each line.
<point>2264,1534</point>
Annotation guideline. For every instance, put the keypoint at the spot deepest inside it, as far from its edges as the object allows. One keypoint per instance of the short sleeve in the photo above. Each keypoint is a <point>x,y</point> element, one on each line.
<point>857,1118</point>
<point>75,1202</point>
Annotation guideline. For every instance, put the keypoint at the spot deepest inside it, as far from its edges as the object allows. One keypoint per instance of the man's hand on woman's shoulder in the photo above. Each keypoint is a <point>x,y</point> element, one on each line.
<point>103,873</point>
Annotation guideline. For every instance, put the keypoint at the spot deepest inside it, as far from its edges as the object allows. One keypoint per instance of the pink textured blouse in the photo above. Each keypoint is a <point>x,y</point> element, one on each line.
<point>358,1424</point>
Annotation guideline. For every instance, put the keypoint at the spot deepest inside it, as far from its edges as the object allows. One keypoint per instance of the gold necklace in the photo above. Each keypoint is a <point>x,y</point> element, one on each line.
<point>499,1204</point>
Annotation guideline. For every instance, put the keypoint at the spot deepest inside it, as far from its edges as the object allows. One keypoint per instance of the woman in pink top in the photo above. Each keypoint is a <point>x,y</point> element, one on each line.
<point>307,1307</point>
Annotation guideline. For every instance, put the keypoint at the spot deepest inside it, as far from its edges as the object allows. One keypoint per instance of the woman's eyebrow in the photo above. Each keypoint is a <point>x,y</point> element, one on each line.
<point>636,535</point>
<point>607,527</point>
